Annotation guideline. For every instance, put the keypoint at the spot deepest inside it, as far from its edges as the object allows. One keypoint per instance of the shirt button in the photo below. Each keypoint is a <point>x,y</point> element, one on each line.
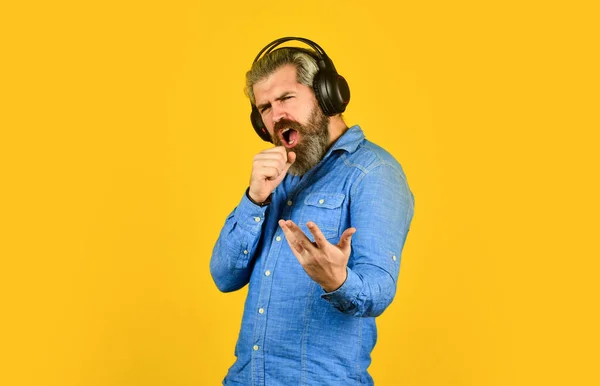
<point>290,203</point>
<point>257,219</point>
<point>267,273</point>
<point>261,310</point>
<point>255,348</point>
<point>245,251</point>
<point>321,201</point>
<point>394,257</point>
<point>278,238</point>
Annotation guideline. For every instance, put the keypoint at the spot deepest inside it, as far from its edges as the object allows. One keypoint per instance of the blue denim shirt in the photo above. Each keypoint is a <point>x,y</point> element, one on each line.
<point>293,332</point>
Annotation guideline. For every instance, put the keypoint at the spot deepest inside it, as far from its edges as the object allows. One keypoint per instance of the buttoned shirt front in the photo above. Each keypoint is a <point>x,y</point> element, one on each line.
<point>293,332</point>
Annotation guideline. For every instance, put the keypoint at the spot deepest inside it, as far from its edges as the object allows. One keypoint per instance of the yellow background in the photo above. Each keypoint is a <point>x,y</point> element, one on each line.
<point>125,142</point>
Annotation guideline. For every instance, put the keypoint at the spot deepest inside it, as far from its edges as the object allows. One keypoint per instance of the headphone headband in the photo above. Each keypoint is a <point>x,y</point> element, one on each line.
<point>269,47</point>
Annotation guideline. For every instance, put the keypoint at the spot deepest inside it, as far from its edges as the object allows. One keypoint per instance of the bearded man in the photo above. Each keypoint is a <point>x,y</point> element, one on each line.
<point>344,207</point>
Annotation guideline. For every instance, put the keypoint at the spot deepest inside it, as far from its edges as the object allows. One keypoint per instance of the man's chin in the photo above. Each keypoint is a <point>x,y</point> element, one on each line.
<point>303,163</point>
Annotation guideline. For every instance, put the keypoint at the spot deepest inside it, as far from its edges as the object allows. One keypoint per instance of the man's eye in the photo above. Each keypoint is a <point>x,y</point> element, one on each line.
<point>263,109</point>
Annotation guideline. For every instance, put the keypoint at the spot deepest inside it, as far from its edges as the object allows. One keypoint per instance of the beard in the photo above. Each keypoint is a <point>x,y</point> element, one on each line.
<point>313,144</point>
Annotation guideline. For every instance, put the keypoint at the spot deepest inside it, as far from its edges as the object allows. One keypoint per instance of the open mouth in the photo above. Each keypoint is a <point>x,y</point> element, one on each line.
<point>289,137</point>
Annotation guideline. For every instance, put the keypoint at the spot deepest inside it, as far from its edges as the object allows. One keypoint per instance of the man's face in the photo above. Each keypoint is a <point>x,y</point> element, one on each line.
<point>293,117</point>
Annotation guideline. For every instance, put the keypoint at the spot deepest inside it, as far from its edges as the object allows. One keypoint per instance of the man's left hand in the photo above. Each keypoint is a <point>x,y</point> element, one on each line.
<point>324,262</point>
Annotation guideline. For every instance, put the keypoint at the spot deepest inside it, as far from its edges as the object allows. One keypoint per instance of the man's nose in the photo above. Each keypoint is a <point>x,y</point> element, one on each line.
<point>278,112</point>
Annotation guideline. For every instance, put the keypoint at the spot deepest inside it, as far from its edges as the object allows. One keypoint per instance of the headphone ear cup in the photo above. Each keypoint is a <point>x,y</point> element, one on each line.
<point>332,92</point>
<point>259,125</point>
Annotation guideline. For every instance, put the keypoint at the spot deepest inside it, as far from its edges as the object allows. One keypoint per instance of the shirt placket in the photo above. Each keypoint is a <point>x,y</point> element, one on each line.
<point>266,286</point>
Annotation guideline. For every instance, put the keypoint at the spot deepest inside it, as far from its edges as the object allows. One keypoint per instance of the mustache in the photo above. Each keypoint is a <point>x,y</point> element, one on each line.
<point>282,124</point>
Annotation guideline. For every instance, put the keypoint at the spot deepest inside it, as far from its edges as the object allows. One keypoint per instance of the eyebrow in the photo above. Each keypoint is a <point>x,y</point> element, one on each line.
<point>268,104</point>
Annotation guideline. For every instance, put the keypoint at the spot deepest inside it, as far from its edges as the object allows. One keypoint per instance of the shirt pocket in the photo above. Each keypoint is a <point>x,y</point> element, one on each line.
<point>325,210</point>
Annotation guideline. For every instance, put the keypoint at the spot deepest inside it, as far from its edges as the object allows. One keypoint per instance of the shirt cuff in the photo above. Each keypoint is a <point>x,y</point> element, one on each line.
<point>344,298</point>
<point>264,203</point>
<point>249,215</point>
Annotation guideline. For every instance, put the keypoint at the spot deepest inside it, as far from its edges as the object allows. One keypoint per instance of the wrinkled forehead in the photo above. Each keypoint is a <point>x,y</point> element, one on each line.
<point>282,80</point>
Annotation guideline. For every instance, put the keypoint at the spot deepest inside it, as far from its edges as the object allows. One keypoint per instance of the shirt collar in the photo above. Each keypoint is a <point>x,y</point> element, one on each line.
<point>350,140</point>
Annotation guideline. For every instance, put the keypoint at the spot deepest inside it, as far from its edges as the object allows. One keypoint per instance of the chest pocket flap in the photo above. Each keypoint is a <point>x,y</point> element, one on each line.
<point>325,210</point>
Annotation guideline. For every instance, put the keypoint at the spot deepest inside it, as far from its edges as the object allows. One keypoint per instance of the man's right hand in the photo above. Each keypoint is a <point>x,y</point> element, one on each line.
<point>268,170</point>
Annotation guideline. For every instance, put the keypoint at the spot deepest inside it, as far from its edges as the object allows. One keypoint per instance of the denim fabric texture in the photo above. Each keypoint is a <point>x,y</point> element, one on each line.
<point>292,331</point>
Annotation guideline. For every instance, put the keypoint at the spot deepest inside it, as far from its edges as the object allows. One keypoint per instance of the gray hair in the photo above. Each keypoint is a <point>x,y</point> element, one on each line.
<point>302,59</point>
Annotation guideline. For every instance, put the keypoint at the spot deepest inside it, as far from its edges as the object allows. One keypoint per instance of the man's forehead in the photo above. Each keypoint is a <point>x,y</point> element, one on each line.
<point>283,79</point>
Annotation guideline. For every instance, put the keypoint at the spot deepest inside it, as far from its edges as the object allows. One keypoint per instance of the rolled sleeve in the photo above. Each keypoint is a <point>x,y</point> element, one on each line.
<point>344,298</point>
<point>381,210</point>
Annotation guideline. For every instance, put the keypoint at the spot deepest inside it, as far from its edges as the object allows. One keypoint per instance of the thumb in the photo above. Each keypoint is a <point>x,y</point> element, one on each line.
<point>346,240</point>
<point>291,159</point>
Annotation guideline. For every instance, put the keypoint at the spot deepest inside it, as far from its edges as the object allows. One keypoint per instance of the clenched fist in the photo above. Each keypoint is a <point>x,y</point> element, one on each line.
<point>268,170</point>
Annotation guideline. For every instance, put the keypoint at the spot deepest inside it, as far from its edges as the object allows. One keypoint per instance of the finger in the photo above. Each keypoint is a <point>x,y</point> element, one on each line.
<point>269,172</point>
<point>276,153</point>
<point>346,240</point>
<point>271,154</point>
<point>286,167</point>
<point>280,150</point>
<point>284,158</point>
<point>291,157</point>
<point>296,247</point>
<point>269,163</point>
<point>273,157</point>
<point>317,234</point>
<point>300,236</point>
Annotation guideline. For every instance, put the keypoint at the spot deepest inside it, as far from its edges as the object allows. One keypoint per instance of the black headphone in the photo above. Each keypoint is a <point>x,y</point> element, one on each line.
<point>331,89</point>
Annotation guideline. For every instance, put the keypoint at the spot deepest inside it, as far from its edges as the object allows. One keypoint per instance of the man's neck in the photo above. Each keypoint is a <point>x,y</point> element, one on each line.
<point>337,127</point>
